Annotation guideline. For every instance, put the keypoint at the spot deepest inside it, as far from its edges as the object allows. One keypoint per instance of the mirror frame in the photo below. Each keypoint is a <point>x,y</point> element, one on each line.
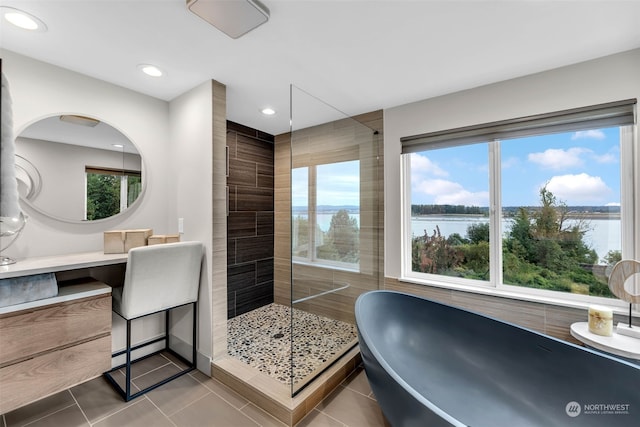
<point>117,216</point>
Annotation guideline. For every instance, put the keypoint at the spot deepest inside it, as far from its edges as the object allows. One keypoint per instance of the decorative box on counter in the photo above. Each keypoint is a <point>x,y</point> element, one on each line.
<point>120,241</point>
<point>157,239</point>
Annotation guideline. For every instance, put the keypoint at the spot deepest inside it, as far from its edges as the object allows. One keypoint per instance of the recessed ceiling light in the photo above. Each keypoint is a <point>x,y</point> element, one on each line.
<point>22,19</point>
<point>268,111</point>
<point>150,70</point>
<point>118,145</point>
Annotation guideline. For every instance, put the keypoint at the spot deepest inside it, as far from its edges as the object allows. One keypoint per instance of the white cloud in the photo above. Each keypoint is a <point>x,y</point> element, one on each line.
<point>434,187</point>
<point>464,197</point>
<point>558,159</point>
<point>606,158</point>
<point>422,166</point>
<point>428,184</point>
<point>588,134</point>
<point>579,189</point>
<point>612,204</point>
<point>446,192</point>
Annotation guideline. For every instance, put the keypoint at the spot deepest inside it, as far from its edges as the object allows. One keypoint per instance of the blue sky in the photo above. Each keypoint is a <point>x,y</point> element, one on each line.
<point>579,168</point>
<point>338,184</point>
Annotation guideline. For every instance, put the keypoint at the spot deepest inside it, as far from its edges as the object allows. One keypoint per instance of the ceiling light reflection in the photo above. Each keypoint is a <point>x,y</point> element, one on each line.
<point>22,19</point>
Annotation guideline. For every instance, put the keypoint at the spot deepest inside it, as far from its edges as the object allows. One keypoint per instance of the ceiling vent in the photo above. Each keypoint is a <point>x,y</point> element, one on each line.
<point>232,17</point>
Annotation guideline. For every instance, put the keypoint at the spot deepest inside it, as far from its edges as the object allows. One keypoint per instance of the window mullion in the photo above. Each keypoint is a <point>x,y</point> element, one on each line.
<point>630,212</point>
<point>313,209</point>
<point>495,214</point>
<point>405,197</point>
<point>86,195</point>
<point>123,192</point>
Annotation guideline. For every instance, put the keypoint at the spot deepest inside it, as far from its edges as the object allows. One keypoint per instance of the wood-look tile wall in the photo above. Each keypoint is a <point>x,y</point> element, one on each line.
<point>329,143</point>
<point>250,223</point>
<point>548,319</point>
<point>219,238</point>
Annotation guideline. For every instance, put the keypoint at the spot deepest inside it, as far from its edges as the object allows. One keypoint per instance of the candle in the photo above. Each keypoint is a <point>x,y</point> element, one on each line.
<point>600,320</point>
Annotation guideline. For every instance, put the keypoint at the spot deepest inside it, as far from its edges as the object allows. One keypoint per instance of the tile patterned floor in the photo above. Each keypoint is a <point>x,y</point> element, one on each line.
<point>191,400</point>
<point>262,339</point>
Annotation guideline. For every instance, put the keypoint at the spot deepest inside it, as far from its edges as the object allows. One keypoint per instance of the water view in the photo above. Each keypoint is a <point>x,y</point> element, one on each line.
<point>603,234</point>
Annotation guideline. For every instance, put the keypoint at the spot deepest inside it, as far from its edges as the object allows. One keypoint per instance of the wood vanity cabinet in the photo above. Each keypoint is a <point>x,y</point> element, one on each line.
<point>47,349</point>
<point>50,345</point>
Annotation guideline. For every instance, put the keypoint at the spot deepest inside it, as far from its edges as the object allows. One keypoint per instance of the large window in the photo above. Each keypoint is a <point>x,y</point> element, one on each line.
<point>535,203</point>
<point>326,214</point>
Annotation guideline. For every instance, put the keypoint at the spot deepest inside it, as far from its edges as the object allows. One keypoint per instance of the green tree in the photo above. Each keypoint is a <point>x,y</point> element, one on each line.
<point>478,232</point>
<point>342,241</point>
<point>542,251</point>
<point>546,224</point>
<point>103,196</point>
<point>434,254</point>
<point>612,257</point>
<point>301,236</point>
<point>520,239</point>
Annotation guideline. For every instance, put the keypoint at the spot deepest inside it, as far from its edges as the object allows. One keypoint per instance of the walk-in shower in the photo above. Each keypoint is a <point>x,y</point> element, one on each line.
<point>327,243</point>
<point>335,238</point>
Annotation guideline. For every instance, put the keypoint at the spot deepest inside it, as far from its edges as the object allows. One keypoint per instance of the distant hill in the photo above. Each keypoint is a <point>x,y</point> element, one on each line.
<point>326,209</point>
<point>506,210</point>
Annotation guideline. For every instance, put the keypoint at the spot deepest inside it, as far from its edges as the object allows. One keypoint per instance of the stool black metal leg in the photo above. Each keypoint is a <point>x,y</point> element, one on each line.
<point>166,328</point>
<point>193,343</point>
<point>190,365</point>
<point>128,369</point>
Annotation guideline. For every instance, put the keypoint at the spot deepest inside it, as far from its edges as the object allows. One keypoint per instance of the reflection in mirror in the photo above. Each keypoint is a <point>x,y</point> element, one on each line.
<point>77,168</point>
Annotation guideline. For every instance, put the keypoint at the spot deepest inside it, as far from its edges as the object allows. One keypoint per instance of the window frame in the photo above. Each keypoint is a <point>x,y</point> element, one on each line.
<point>312,259</point>
<point>124,175</point>
<point>630,213</point>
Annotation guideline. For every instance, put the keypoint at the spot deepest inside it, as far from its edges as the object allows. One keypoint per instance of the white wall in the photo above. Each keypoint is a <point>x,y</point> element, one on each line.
<point>40,90</point>
<point>611,78</point>
<point>174,141</point>
<point>191,185</point>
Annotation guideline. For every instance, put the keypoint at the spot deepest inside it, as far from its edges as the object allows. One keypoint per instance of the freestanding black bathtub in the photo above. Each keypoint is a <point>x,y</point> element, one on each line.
<point>430,364</point>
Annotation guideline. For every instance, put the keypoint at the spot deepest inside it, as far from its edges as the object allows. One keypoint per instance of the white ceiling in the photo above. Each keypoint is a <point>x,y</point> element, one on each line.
<point>102,136</point>
<point>356,55</point>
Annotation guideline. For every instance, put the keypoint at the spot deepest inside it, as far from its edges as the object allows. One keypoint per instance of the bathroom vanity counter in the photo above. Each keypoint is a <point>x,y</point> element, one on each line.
<point>58,263</point>
<point>55,343</point>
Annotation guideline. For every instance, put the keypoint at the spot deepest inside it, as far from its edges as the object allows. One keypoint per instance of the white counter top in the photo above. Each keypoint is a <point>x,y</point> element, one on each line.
<point>65,293</point>
<point>620,345</point>
<point>52,264</point>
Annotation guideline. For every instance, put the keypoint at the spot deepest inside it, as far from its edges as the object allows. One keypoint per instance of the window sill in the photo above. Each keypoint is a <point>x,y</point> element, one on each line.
<point>327,266</point>
<point>521,296</point>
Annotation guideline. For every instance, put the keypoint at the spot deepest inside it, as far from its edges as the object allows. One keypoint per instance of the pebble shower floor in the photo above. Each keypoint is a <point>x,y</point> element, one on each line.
<point>262,339</point>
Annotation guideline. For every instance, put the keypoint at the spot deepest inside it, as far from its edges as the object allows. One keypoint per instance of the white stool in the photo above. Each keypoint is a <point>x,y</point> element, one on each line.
<point>158,278</point>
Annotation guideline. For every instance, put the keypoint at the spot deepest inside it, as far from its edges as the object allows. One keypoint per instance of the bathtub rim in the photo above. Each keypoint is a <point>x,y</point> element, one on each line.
<point>430,405</point>
<point>391,372</point>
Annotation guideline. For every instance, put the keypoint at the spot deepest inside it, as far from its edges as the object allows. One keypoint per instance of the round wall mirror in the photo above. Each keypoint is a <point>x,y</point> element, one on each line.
<point>77,168</point>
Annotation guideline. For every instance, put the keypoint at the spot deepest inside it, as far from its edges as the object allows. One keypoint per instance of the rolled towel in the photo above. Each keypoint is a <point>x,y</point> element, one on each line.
<point>9,206</point>
<point>18,290</point>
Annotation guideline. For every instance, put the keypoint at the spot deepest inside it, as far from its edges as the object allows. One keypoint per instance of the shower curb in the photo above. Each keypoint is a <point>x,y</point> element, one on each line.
<point>272,396</point>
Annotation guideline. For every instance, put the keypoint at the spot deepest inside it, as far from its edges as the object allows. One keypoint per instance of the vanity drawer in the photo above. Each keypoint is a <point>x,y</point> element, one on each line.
<point>49,373</point>
<point>30,332</point>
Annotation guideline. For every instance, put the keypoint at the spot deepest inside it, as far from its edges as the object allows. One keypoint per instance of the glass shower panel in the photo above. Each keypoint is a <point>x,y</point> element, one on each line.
<point>335,231</point>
